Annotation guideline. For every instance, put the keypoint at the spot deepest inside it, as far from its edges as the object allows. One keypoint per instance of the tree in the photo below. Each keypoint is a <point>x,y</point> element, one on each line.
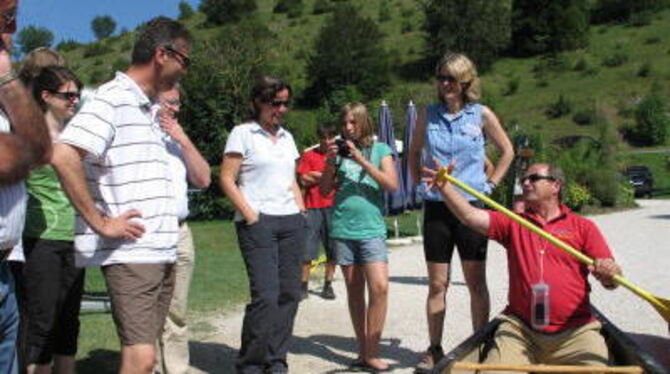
<point>478,28</point>
<point>218,83</point>
<point>652,120</point>
<point>549,26</point>
<point>103,26</point>
<point>220,12</point>
<point>32,37</point>
<point>347,56</point>
<point>185,10</point>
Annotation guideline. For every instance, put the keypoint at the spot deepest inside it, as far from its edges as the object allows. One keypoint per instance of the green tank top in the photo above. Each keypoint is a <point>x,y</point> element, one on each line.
<point>49,214</point>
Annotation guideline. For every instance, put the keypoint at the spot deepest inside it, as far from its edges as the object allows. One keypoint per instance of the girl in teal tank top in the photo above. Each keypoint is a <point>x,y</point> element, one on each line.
<point>361,169</point>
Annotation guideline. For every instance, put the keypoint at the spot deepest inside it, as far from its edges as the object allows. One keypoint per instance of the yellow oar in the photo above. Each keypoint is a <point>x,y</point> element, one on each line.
<point>660,304</point>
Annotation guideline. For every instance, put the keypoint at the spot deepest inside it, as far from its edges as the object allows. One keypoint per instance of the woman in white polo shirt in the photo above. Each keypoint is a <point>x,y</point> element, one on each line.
<point>258,175</point>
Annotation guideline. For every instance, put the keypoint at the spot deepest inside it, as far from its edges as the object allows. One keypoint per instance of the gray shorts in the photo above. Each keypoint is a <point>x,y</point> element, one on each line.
<point>362,251</point>
<point>318,220</point>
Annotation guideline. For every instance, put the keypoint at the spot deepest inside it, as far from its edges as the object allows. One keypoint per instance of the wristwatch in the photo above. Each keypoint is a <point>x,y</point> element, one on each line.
<point>491,184</point>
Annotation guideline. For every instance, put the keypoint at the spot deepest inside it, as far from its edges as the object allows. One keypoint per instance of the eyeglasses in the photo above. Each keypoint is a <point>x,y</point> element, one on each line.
<point>537,177</point>
<point>446,78</point>
<point>174,102</point>
<point>69,96</point>
<point>184,60</point>
<point>278,103</point>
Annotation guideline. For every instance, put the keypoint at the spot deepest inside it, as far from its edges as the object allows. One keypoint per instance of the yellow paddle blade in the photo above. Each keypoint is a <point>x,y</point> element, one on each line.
<point>661,305</point>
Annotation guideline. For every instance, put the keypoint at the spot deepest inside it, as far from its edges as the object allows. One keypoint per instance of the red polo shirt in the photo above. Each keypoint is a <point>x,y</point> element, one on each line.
<point>566,277</point>
<point>314,160</point>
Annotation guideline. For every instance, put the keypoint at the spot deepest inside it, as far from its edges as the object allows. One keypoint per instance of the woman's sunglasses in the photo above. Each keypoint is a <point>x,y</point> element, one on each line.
<point>70,96</point>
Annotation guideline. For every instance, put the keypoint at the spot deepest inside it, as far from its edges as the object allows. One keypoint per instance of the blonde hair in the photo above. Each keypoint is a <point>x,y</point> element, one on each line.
<point>463,69</point>
<point>363,120</point>
<point>38,59</point>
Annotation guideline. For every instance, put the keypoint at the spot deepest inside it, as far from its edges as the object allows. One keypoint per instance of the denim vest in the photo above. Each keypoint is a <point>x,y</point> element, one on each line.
<point>456,138</point>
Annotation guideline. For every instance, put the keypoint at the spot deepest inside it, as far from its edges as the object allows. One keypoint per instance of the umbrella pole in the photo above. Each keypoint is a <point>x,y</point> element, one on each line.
<point>418,225</point>
<point>395,227</point>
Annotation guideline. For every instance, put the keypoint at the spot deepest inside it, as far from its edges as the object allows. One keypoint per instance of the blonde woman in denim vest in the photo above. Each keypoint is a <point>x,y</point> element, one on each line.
<point>453,131</point>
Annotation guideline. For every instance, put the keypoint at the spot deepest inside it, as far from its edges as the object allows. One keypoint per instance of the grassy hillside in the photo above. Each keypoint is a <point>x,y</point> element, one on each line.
<point>619,66</point>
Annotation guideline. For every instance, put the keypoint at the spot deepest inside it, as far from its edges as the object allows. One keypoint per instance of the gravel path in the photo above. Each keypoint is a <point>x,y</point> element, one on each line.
<point>324,340</point>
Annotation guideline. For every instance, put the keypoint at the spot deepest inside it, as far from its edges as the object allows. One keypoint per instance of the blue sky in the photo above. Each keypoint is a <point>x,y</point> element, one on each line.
<point>71,19</point>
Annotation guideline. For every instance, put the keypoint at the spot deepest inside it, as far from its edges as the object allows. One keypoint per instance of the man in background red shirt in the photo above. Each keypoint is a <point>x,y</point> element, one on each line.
<point>548,319</point>
<point>311,165</point>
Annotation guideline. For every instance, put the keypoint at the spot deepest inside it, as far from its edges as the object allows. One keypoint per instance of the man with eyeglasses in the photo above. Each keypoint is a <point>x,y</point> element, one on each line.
<point>548,318</point>
<point>115,169</point>
<point>187,166</point>
<point>24,144</point>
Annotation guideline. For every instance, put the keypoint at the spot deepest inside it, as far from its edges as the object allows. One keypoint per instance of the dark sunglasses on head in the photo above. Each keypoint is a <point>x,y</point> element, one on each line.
<point>184,60</point>
<point>537,177</point>
<point>67,95</point>
<point>278,103</point>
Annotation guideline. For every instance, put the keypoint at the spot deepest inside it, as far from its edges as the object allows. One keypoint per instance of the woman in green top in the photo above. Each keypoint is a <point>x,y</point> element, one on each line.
<point>53,284</point>
<point>360,169</point>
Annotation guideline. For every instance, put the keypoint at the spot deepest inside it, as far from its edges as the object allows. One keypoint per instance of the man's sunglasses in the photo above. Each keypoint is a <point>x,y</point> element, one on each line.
<point>537,177</point>
<point>70,96</point>
<point>278,103</point>
<point>184,60</point>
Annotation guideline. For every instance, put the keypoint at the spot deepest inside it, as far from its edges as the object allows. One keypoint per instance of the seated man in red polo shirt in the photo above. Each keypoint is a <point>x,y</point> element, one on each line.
<point>547,319</point>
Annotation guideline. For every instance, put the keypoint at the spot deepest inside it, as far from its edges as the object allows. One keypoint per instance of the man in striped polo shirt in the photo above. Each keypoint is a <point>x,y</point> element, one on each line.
<point>113,164</point>
<point>24,144</point>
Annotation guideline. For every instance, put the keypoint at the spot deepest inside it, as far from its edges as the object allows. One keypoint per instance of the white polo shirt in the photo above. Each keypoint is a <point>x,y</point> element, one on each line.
<point>267,173</point>
<point>126,168</point>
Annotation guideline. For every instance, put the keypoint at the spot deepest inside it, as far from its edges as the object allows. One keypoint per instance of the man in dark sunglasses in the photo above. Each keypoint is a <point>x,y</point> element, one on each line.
<point>24,144</point>
<point>548,318</point>
<point>133,233</point>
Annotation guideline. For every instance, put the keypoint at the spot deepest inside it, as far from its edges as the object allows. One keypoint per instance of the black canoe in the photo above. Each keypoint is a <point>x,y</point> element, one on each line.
<point>623,350</point>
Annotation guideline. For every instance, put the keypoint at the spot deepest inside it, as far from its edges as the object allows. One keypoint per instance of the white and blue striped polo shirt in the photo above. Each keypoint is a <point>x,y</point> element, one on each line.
<point>126,168</point>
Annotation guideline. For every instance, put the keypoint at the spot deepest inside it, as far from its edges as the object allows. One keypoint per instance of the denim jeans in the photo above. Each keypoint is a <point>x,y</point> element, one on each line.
<point>9,321</point>
<point>272,250</point>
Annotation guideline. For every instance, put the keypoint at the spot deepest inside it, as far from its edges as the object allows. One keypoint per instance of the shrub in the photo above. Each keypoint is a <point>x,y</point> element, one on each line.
<point>576,196</point>
<point>559,108</point>
<point>322,6</point>
<point>512,86</point>
<point>640,19</point>
<point>581,65</point>
<point>652,40</point>
<point>644,70</point>
<point>96,49</point>
<point>651,120</point>
<point>626,197</point>
<point>32,37</point>
<point>406,26</point>
<point>292,8</point>
<point>219,12</point>
<point>384,12</point>
<point>615,59</point>
<point>584,117</point>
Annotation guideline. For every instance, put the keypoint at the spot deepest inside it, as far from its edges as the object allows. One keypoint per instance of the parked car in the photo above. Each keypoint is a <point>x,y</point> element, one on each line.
<point>641,179</point>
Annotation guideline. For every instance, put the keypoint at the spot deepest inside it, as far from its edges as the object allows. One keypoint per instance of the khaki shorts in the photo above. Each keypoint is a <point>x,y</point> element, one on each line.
<point>517,344</point>
<point>140,295</point>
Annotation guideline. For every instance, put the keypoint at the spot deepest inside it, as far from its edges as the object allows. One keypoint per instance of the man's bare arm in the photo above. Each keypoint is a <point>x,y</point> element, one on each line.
<point>29,145</point>
<point>67,160</point>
